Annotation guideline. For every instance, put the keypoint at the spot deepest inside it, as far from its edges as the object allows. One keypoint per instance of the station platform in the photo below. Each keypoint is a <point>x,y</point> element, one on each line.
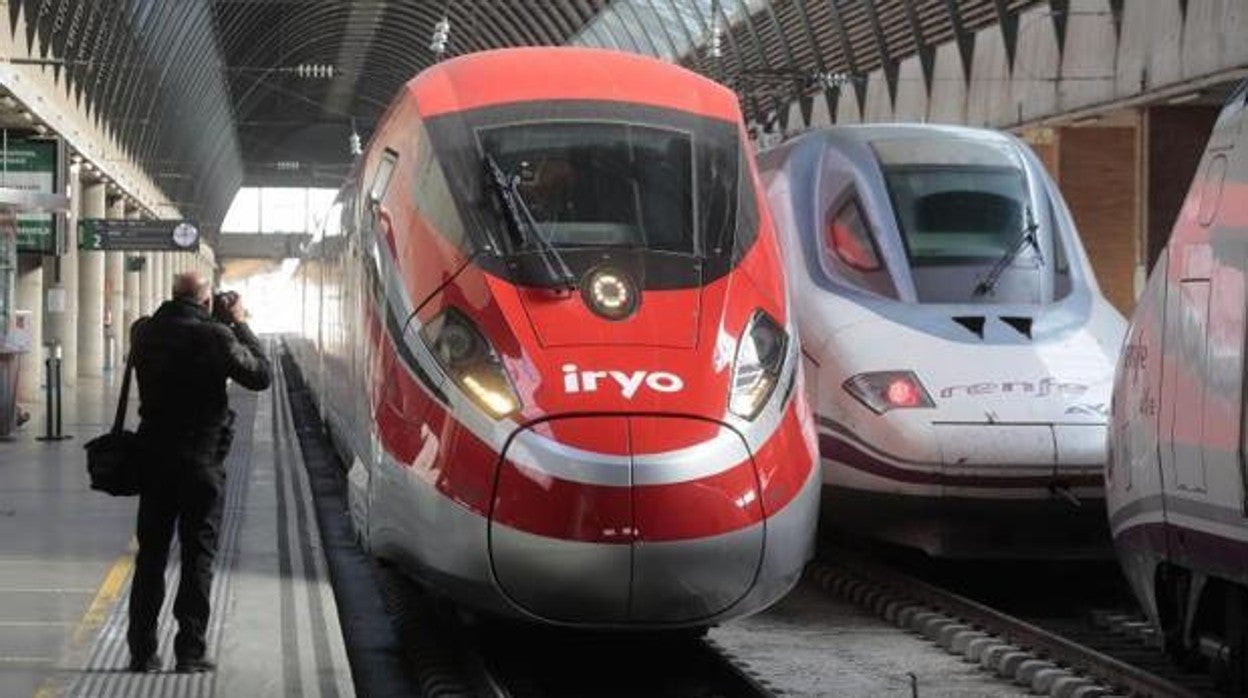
<point>67,553</point>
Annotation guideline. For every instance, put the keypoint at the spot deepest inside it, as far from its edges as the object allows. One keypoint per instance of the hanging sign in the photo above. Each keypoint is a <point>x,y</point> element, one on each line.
<point>30,165</point>
<point>137,236</point>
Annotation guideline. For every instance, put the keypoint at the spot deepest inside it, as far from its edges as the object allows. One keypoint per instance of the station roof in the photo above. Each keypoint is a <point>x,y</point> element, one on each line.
<point>210,94</point>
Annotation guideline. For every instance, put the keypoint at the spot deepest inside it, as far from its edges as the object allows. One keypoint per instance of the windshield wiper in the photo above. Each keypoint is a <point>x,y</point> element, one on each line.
<point>1027,236</point>
<point>522,220</point>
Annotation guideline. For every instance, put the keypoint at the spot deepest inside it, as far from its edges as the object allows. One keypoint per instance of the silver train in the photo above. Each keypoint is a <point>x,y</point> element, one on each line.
<point>958,352</point>
<point>1175,483</point>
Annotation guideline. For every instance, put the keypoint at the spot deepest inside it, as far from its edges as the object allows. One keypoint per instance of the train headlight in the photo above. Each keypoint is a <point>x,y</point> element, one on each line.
<point>882,391</point>
<point>760,356</point>
<point>470,361</point>
<point>610,293</point>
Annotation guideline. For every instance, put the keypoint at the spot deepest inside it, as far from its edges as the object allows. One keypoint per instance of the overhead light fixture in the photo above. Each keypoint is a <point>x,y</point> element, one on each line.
<point>1185,98</point>
<point>354,145</point>
<point>41,129</point>
<point>716,47</point>
<point>831,79</point>
<point>441,35</point>
<point>8,102</point>
<point>1086,121</point>
<point>319,71</point>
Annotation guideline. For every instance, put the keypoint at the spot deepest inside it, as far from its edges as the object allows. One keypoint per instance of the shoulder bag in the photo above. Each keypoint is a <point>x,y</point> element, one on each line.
<point>114,460</point>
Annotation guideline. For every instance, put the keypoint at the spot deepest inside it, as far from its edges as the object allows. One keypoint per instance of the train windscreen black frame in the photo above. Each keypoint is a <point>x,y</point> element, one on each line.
<point>601,184</point>
<point>952,214</point>
<point>712,233</point>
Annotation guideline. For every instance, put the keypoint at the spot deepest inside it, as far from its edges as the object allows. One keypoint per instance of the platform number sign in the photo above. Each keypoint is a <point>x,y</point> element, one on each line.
<point>137,236</point>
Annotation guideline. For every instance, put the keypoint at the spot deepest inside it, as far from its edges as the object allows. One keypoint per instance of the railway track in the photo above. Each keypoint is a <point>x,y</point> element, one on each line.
<point>1069,658</point>
<point>452,655</point>
<point>445,654</point>
<point>530,663</point>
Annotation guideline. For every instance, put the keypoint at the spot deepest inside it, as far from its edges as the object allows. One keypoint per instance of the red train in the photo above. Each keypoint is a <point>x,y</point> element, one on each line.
<point>547,324</point>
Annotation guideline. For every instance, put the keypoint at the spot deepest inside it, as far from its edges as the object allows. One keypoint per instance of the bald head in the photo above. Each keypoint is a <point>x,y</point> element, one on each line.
<point>192,286</point>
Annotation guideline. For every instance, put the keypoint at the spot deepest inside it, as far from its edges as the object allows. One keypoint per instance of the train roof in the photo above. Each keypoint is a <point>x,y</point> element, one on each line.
<point>867,135</point>
<point>528,74</point>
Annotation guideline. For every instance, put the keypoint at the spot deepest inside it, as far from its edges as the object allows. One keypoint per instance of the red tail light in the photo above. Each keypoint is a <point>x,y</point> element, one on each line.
<point>882,391</point>
<point>902,392</point>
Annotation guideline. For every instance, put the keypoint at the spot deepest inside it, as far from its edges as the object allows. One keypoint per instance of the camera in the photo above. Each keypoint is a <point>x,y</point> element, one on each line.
<point>222,304</point>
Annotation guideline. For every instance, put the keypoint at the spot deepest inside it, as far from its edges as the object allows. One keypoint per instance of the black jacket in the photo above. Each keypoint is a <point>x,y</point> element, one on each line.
<point>182,358</point>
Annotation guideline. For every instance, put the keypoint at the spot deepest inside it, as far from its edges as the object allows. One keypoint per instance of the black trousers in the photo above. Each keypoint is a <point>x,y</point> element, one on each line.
<point>184,490</point>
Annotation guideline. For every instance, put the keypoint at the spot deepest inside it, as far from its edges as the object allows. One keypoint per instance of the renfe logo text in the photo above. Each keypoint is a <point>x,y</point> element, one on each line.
<point>1042,388</point>
<point>577,381</point>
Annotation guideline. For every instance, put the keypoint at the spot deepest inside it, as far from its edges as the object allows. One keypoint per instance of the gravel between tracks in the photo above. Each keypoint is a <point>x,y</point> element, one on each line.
<point>811,644</point>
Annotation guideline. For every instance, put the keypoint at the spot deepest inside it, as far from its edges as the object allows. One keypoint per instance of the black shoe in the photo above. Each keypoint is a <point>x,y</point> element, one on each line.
<point>147,665</point>
<point>195,666</point>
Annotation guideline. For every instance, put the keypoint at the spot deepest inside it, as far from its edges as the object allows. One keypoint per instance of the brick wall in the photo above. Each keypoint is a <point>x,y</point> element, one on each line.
<point>1046,151</point>
<point>1097,173</point>
<point>1176,139</point>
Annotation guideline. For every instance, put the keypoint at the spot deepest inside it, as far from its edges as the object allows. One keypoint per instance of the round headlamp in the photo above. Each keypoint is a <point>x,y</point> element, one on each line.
<point>610,293</point>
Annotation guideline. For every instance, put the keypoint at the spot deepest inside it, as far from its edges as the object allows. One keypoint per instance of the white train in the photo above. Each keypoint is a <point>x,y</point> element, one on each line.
<point>1175,482</point>
<point>959,354</point>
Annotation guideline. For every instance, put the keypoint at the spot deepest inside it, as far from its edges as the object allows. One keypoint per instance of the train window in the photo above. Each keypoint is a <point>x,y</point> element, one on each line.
<point>381,180</point>
<point>963,210</point>
<point>666,190</point>
<point>848,237</point>
<point>956,201</point>
<point>948,215</point>
<point>431,193</point>
<point>602,184</point>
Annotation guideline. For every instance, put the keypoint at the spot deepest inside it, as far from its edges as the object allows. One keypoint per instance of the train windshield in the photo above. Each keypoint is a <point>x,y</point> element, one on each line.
<point>601,184</point>
<point>549,190</point>
<point>963,211</point>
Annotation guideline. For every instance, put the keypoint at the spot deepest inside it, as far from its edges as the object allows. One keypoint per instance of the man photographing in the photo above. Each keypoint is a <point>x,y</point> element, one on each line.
<point>182,357</point>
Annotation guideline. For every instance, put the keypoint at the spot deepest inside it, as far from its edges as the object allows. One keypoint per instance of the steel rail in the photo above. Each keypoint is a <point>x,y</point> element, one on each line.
<point>736,681</point>
<point>1095,665</point>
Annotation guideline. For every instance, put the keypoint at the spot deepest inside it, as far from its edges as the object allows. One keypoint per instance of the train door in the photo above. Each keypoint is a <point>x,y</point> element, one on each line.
<point>1187,335</point>
<point>1224,408</point>
<point>1193,364</point>
<point>1232,231</point>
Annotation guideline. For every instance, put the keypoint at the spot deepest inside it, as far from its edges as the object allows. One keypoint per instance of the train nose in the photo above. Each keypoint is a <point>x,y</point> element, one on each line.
<point>616,537</point>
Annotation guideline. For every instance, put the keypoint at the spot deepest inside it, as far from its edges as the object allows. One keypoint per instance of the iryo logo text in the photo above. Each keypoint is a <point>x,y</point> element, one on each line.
<point>577,381</point>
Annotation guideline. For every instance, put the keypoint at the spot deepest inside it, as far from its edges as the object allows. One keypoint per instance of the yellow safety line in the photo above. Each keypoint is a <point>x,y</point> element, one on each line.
<point>112,586</point>
<point>97,613</point>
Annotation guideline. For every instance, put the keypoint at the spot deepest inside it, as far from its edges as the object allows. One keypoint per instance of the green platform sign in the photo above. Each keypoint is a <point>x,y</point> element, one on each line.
<point>137,236</point>
<point>30,165</point>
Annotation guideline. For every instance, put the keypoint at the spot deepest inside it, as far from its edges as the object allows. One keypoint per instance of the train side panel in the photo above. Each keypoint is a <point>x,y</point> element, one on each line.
<point>1176,479</point>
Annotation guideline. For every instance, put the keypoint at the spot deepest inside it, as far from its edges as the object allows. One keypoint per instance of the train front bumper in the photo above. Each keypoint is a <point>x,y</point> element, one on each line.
<point>988,491</point>
<point>616,539</point>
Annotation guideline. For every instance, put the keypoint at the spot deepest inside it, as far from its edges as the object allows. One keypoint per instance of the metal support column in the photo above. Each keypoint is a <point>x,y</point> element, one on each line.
<point>60,283</point>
